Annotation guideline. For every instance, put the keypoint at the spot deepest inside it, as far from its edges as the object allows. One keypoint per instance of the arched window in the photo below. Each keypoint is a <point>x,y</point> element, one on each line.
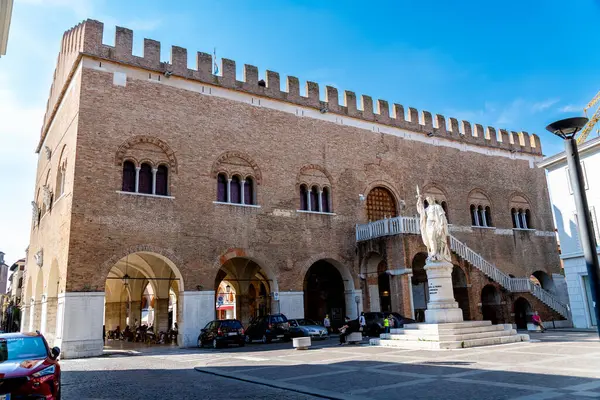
<point>145,179</point>
<point>314,199</point>
<point>380,204</point>
<point>162,180</point>
<point>303,198</point>
<point>128,176</point>
<point>520,213</point>
<point>249,191</point>
<point>480,207</point>
<point>222,188</point>
<point>445,208</point>
<point>325,200</point>
<point>236,194</point>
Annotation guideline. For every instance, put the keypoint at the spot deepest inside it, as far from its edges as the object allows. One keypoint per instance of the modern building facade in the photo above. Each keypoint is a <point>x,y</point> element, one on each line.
<point>565,218</point>
<point>158,186</point>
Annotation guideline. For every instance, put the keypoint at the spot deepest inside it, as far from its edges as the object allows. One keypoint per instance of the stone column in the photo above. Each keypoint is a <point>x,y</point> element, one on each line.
<point>43,315</point>
<point>137,179</point>
<point>154,171</point>
<point>31,324</point>
<point>441,308</point>
<point>162,315</point>
<point>373,289</point>
<point>229,190</point>
<point>112,318</point>
<point>401,288</point>
<point>51,309</point>
<point>292,304</point>
<point>198,309</point>
<point>24,317</point>
<point>136,313</point>
<point>352,311</point>
<point>79,324</point>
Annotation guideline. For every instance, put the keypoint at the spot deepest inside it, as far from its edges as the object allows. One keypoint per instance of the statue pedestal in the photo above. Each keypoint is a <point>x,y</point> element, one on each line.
<point>441,308</point>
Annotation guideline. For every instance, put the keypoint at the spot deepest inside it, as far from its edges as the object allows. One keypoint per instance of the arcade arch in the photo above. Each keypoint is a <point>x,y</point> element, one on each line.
<point>461,291</point>
<point>142,288</point>
<point>419,286</point>
<point>491,304</point>
<point>523,313</point>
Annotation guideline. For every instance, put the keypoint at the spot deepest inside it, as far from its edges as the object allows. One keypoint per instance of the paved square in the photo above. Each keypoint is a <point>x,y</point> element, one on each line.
<point>560,365</point>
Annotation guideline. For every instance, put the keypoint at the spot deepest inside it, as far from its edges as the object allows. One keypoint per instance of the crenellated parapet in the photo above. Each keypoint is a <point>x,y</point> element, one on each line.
<point>86,39</point>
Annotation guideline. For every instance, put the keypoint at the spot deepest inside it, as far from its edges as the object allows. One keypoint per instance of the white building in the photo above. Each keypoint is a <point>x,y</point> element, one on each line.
<point>563,208</point>
<point>5,16</point>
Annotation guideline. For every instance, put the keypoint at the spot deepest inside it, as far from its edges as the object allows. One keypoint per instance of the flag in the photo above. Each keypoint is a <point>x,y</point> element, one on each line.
<point>216,68</point>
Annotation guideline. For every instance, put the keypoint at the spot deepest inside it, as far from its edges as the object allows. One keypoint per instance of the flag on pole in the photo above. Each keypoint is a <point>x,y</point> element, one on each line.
<point>215,68</point>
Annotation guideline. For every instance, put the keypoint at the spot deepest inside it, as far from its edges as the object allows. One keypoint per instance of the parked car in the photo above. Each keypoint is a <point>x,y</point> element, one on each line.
<point>28,367</point>
<point>267,328</point>
<point>374,322</point>
<point>307,328</point>
<point>221,333</point>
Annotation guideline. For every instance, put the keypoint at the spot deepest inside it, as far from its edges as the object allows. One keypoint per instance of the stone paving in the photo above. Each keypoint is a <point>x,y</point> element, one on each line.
<point>555,365</point>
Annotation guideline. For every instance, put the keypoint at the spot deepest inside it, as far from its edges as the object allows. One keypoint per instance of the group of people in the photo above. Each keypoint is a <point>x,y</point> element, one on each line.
<point>142,333</point>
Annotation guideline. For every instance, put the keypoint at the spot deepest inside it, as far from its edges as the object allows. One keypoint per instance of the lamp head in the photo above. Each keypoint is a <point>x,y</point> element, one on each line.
<point>567,128</point>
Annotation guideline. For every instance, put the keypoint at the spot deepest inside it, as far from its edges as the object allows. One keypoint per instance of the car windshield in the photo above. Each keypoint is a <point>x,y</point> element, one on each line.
<point>306,322</point>
<point>16,348</point>
<point>231,324</point>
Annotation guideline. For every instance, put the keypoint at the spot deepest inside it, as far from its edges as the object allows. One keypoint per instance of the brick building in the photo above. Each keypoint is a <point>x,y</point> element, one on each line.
<point>158,184</point>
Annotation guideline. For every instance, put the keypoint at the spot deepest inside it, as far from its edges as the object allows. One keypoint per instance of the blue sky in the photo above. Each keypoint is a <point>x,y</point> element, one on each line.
<point>512,64</point>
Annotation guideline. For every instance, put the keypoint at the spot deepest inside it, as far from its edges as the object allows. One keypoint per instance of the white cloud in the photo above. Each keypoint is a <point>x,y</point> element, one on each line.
<point>543,105</point>
<point>569,108</point>
<point>81,8</point>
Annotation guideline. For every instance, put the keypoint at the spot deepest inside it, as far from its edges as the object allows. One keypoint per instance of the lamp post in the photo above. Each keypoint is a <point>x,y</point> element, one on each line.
<point>567,129</point>
<point>357,300</point>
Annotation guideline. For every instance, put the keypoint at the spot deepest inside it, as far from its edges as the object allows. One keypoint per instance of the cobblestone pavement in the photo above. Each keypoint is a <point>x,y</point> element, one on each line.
<point>555,365</point>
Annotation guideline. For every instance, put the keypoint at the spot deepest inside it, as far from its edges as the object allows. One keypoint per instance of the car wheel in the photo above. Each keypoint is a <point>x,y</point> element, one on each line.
<point>264,339</point>
<point>248,339</point>
<point>242,343</point>
<point>58,392</point>
<point>215,344</point>
<point>200,343</point>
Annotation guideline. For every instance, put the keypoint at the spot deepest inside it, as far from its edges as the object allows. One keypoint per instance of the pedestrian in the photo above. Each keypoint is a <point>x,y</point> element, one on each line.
<point>327,324</point>
<point>104,333</point>
<point>362,322</point>
<point>386,325</point>
<point>537,321</point>
<point>344,331</point>
<point>392,321</point>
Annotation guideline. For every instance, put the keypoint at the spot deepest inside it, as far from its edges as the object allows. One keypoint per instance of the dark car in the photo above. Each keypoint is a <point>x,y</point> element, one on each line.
<point>268,328</point>
<point>374,322</point>
<point>221,333</point>
<point>29,369</point>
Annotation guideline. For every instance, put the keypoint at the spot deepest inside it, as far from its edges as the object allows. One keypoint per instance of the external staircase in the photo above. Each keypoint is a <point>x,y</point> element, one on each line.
<point>410,225</point>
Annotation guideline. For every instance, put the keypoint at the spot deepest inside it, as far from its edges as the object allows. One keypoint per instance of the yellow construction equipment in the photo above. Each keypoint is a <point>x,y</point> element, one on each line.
<point>590,125</point>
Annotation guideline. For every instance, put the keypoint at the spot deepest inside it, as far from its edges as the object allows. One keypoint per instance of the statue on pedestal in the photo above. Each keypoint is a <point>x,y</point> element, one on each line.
<point>434,229</point>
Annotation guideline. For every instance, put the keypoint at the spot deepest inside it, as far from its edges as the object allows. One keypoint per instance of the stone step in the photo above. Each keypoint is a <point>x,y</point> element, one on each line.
<point>436,345</point>
<point>442,330</point>
<point>448,337</point>
<point>452,325</point>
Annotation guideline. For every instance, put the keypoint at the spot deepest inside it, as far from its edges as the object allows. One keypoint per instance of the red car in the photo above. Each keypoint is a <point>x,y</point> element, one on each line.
<point>29,369</point>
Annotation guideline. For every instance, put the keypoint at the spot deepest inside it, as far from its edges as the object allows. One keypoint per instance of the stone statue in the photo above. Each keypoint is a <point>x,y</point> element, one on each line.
<point>35,211</point>
<point>434,229</point>
<point>39,258</point>
<point>47,197</point>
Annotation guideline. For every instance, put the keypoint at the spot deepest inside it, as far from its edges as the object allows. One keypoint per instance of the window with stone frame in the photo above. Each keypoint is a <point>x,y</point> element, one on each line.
<point>480,209</point>
<point>314,190</point>
<point>237,177</point>
<point>150,175</point>
<point>520,213</point>
<point>61,173</point>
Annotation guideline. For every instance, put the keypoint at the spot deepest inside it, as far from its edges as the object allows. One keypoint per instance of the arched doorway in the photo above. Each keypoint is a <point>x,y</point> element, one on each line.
<point>490,304</point>
<point>523,313</point>
<point>461,291</point>
<point>544,280</point>
<point>324,293</point>
<point>380,204</point>
<point>383,282</point>
<point>250,290</point>
<point>419,286</point>
<point>142,289</point>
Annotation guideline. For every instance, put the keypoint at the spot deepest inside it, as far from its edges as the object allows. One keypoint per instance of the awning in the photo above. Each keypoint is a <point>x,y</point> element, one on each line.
<point>225,307</point>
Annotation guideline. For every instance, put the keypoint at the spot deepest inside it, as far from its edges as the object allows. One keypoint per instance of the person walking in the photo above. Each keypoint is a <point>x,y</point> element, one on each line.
<point>362,322</point>
<point>386,325</point>
<point>392,321</point>
<point>344,331</point>
<point>327,324</point>
<point>537,321</point>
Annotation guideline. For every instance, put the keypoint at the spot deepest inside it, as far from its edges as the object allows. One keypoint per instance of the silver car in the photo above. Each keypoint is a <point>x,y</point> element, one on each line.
<point>308,328</point>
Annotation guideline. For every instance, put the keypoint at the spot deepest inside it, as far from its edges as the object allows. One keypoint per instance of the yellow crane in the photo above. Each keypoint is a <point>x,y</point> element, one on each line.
<point>590,125</point>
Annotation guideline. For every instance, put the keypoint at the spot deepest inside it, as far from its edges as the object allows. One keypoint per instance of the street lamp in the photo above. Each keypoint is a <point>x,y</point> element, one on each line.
<point>357,300</point>
<point>567,129</point>
<point>227,289</point>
